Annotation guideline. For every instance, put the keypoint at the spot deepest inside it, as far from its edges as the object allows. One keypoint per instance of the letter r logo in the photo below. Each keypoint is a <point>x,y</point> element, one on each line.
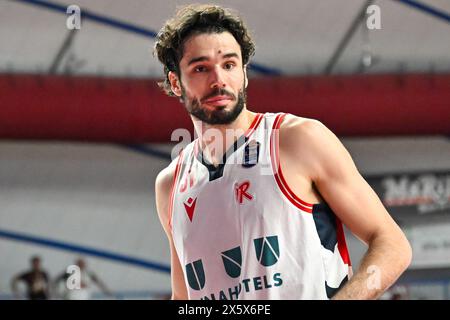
<point>241,192</point>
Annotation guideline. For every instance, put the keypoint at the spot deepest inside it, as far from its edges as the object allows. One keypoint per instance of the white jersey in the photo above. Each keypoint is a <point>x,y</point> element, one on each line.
<point>87,280</point>
<point>241,233</point>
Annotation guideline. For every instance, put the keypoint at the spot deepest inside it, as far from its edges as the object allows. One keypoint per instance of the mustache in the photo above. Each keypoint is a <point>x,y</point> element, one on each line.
<point>219,92</point>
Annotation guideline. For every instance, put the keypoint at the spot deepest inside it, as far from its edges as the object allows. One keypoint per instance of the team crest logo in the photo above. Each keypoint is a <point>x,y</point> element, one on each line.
<point>251,154</point>
<point>232,261</point>
<point>195,275</point>
<point>267,250</point>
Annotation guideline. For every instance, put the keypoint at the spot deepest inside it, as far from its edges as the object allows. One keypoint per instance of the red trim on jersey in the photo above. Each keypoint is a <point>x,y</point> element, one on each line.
<point>174,182</point>
<point>196,147</point>
<point>276,167</point>
<point>254,125</point>
<point>342,244</point>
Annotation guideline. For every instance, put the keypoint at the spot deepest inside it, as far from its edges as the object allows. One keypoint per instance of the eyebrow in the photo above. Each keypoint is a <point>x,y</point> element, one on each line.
<point>198,59</point>
<point>205,58</point>
<point>231,55</point>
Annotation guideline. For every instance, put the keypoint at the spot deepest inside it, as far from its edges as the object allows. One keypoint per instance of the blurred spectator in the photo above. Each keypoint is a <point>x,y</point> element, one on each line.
<point>36,281</point>
<point>398,292</point>
<point>396,296</point>
<point>87,279</point>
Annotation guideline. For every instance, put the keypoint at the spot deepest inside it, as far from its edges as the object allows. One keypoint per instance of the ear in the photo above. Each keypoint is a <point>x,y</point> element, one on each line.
<point>175,83</point>
<point>245,77</point>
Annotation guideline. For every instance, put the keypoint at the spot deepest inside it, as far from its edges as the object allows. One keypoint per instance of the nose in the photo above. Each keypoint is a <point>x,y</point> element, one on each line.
<point>217,81</point>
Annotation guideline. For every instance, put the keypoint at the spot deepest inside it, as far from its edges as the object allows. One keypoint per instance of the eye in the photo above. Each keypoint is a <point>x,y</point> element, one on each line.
<point>229,65</point>
<point>199,69</point>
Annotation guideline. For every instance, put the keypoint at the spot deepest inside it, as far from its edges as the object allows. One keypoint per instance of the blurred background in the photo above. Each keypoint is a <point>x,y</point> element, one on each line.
<point>84,129</point>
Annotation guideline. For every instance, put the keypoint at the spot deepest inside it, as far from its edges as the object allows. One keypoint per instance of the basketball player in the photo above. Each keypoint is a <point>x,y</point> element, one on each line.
<point>87,281</point>
<point>36,281</point>
<point>264,219</point>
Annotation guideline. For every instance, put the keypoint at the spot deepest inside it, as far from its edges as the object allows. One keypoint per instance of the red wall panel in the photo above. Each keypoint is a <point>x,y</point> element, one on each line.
<point>135,110</point>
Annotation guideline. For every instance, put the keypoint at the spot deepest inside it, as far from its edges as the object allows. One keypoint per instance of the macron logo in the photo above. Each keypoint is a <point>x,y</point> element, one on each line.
<point>189,205</point>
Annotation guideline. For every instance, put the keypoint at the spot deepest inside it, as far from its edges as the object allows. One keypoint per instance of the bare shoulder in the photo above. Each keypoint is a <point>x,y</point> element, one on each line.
<point>311,141</point>
<point>163,186</point>
<point>310,131</point>
<point>165,177</point>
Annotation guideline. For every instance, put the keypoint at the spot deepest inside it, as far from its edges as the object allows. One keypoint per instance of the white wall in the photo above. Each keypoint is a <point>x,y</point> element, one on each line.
<point>97,196</point>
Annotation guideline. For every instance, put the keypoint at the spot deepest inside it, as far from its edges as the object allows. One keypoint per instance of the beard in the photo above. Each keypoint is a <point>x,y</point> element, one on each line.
<point>218,115</point>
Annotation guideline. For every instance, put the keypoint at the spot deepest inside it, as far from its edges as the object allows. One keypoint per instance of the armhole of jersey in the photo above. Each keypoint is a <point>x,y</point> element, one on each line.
<point>293,198</point>
<point>276,168</point>
<point>173,188</point>
<point>255,123</point>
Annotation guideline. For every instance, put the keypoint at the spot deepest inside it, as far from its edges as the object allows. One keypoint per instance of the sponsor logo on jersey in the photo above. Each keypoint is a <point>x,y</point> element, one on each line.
<point>251,154</point>
<point>232,261</point>
<point>267,253</point>
<point>267,250</point>
<point>257,283</point>
<point>241,192</point>
<point>196,275</point>
<point>189,205</point>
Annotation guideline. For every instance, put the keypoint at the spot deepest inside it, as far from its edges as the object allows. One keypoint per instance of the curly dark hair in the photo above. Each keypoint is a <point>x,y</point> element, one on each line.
<point>196,19</point>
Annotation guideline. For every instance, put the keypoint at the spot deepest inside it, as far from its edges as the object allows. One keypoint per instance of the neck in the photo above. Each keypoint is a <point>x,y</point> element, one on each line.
<point>215,140</point>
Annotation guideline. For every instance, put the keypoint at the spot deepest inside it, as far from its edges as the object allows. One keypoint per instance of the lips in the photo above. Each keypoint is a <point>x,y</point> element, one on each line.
<point>218,100</point>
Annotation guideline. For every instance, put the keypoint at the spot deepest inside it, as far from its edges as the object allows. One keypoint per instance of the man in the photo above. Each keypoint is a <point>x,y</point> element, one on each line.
<point>237,231</point>
<point>87,279</point>
<point>36,281</point>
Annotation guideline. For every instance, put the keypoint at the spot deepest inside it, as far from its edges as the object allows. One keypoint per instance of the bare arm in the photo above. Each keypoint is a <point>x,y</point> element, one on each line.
<point>101,285</point>
<point>337,179</point>
<point>163,188</point>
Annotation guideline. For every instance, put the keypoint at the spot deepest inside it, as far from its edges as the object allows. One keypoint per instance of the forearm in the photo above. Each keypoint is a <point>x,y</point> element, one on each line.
<point>383,263</point>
